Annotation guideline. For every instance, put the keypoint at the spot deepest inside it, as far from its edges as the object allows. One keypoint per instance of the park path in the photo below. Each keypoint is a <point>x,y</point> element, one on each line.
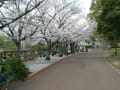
<point>82,71</point>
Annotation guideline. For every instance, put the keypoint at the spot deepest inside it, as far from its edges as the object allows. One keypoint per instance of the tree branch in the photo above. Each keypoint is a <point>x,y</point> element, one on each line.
<point>20,16</point>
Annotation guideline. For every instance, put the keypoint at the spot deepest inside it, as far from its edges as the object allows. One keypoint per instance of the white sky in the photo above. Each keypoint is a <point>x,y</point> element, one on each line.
<point>85,5</point>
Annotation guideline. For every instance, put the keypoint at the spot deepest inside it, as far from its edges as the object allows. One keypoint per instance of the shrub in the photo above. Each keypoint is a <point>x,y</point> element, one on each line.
<point>18,67</point>
<point>1,59</point>
<point>89,46</point>
<point>7,74</point>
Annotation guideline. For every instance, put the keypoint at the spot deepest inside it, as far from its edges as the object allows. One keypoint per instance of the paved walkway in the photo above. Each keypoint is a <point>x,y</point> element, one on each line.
<point>82,71</point>
<point>40,63</point>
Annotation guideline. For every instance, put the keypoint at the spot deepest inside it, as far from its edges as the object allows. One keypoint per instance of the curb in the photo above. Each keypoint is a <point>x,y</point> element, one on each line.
<point>111,64</point>
<point>46,67</point>
<point>42,69</point>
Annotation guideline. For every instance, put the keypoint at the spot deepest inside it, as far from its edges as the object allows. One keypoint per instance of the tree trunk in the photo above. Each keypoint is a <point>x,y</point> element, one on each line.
<point>18,53</point>
<point>72,47</point>
<point>48,54</point>
<point>115,48</point>
<point>115,45</point>
<point>65,48</point>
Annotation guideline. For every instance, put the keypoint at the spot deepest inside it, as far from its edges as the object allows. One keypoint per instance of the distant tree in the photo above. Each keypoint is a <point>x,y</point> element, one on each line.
<point>40,47</point>
<point>52,20</point>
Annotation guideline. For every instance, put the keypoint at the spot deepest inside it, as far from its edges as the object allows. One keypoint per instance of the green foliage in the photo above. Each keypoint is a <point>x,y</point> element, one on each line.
<point>92,38</point>
<point>96,37</point>
<point>89,46</point>
<point>59,49</point>
<point>17,66</point>
<point>6,43</point>
<point>1,59</point>
<point>111,52</point>
<point>7,76</point>
<point>107,15</point>
<point>40,47</point>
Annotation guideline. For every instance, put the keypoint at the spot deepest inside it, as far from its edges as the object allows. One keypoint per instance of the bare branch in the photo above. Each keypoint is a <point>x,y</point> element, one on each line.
<point>1,3</point>
<point>20,16</point>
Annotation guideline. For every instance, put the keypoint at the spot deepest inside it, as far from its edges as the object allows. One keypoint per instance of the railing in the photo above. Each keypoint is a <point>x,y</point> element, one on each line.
<point>26,54</point>
<point>6,77</point>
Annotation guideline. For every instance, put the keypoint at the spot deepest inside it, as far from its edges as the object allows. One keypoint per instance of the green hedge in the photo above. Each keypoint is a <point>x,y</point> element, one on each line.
<point>89,46</point>
<point>18,67</point>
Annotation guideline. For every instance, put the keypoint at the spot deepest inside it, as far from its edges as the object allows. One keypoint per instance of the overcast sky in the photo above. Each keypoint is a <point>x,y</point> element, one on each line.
<point>85,5</point>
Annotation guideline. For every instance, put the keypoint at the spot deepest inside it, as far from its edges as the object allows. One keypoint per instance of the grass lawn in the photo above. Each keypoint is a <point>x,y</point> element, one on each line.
<point>111,52</point>
<point>114,59</point>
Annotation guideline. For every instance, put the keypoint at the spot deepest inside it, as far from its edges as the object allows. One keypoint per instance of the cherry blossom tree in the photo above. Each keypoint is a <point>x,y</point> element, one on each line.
<point>52,20</point>
<point>20,29</point>
<point>7,7</point>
